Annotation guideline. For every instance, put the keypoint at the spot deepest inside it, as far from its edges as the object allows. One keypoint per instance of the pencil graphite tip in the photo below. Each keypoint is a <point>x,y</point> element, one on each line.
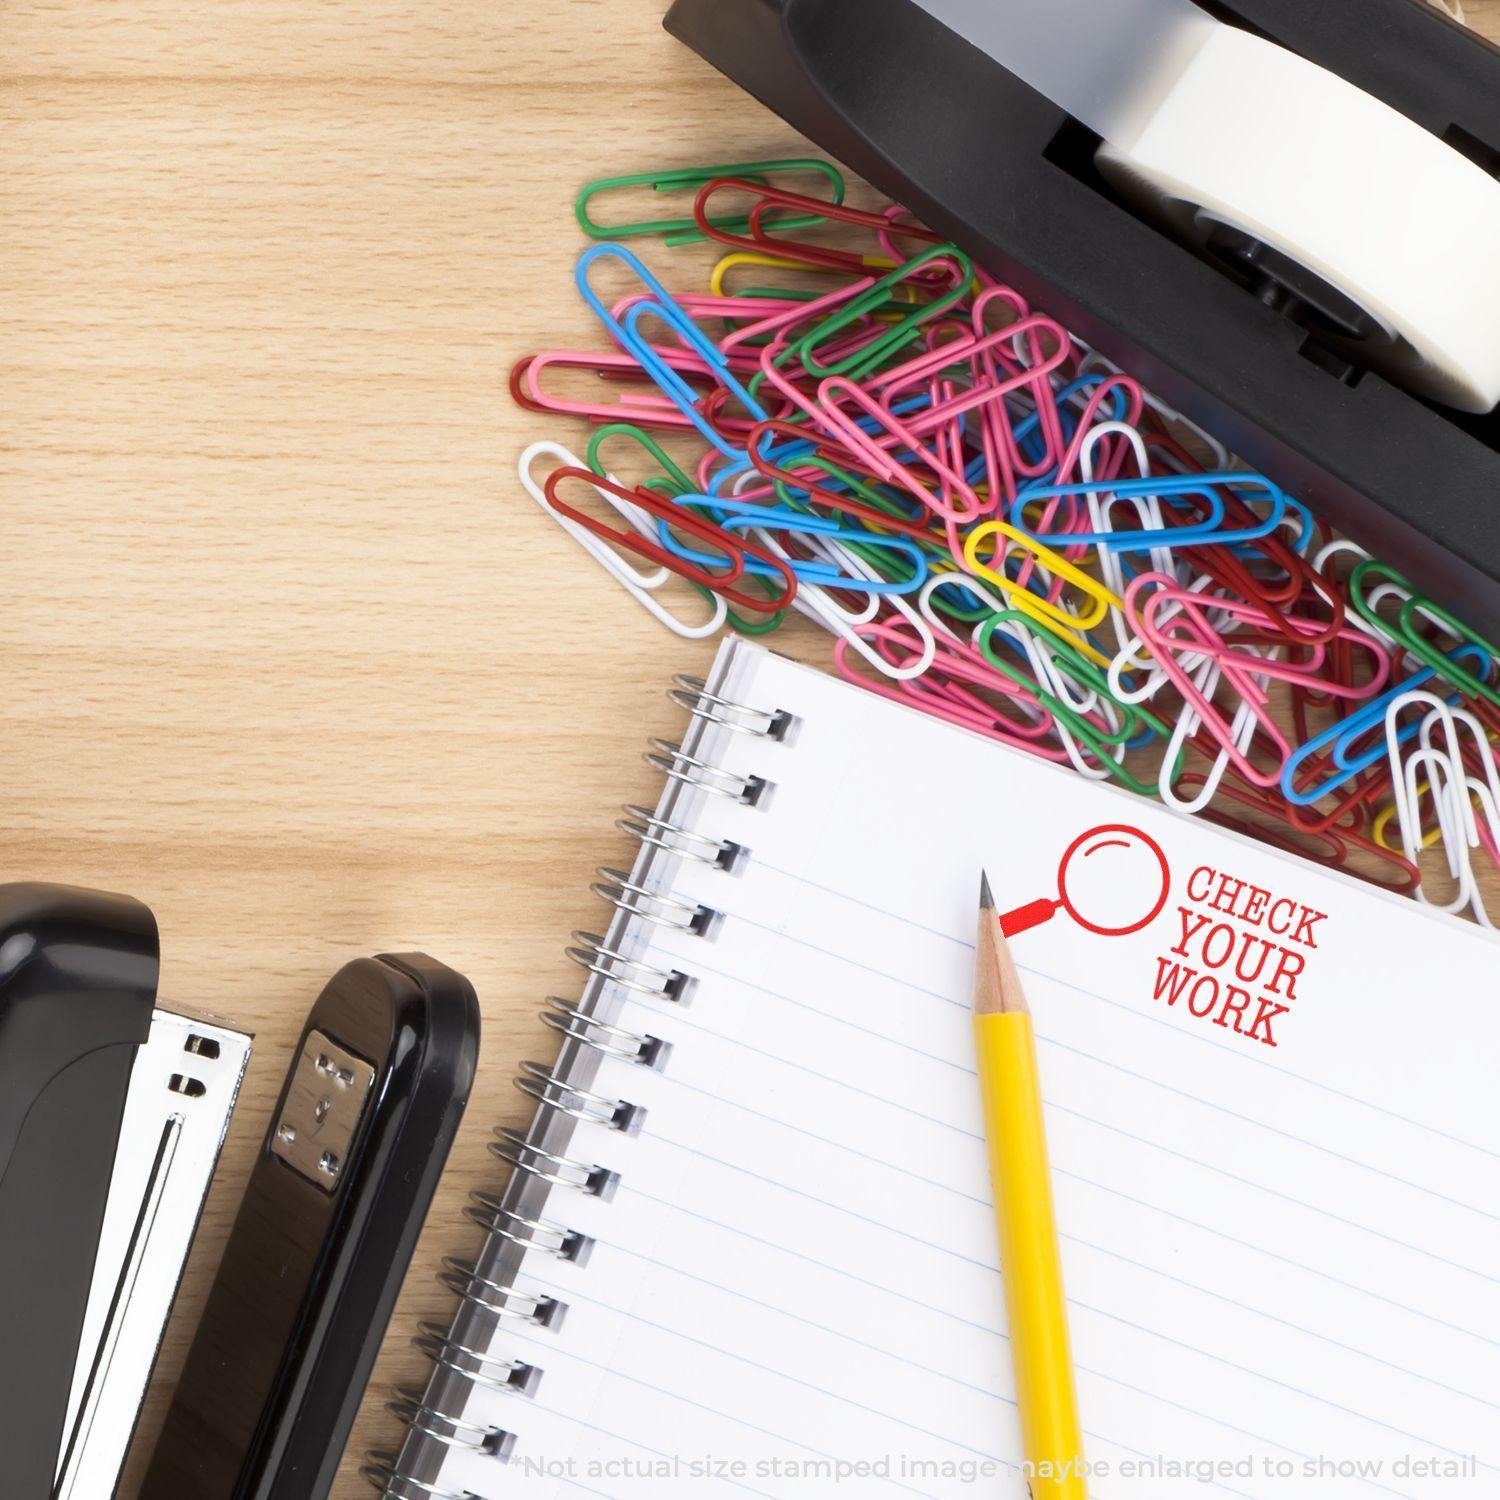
<point>986,897</point>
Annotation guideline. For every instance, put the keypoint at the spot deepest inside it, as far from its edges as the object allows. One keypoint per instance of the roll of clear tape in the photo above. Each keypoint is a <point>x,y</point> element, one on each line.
<point>1254,138</point>
<point>1207,126</point>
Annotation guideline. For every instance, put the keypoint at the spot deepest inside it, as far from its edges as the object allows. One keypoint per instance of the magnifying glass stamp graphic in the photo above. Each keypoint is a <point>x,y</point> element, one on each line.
<point>1113,880</point>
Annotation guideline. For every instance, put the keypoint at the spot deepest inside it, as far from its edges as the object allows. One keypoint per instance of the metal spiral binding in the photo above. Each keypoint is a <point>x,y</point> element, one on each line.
<point>486,1210</point>
<point>692,694</point>
<point>381,1471</point>
<point>506,1377</point>
<point>462,1276</point>
<point>676,764</point>
<point>537,1082</point>
<point>643,825</point>
<point>622,893</point>
<point>557,1171</point>
<point>591,952</point>
<point>481,1368</point>
<point>568,1019</point>
<point>451,1432</point>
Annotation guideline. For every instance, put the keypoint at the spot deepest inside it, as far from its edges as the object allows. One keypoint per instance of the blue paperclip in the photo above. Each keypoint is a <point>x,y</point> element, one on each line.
<point>1165,487</point>
<point>662,305</point>
<point>738,515</point>
<point>1345,735</point>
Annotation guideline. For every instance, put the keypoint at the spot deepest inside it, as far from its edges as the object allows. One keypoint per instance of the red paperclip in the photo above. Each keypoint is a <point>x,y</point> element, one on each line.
<point>735,548</point>
<point>769,200</point>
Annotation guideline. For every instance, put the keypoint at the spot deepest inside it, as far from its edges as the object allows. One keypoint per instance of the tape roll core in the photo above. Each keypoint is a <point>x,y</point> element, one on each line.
<point>1256,138</point>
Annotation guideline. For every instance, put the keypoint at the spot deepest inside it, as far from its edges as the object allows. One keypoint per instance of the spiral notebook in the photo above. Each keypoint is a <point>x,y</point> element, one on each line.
<point>748,1249</point>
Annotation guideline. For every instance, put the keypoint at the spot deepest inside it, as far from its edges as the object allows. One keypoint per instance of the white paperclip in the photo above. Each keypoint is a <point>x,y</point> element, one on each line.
<point>1452,790</point>
<point>965,581</point>
<point>636,582</point>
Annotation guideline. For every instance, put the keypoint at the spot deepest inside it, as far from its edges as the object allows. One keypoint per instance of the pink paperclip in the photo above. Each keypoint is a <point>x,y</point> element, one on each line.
<point>879,460</point>
<point>1074,514</point>
<point>1307,673</point>
<point>1069,465</point>
<point>963,663</point>
<point>1241,682</point>
<point>795,397</point>
<point>948,440</point>
<point>1064,513</point>
<point>778,325</point>
<point>886,238</point>
<point>637,406</point>
<point>950,701</point>
<point>965,666</point>
<point>996,423</point>
<point>765,316</point>
<point>997,292</point>
<point>986,396</point>
<point>893,384</point>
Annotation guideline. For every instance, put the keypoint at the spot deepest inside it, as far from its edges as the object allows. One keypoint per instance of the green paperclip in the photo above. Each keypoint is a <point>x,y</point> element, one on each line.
<point>1358,581</point>
<point>1086,674</point>
<point>685,179</point>
<point>671,472</point>
<point>1404,630</point>
<point>901,333</point>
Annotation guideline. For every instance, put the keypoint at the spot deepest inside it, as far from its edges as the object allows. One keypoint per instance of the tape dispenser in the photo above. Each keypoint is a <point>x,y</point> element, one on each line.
<point>1283,218</point>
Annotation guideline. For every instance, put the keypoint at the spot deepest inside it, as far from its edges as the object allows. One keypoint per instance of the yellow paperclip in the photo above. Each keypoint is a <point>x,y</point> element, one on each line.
<point>1053,616</point>
<point>780,263</point>
<point>1382,824</point>
<point>1024,605</point>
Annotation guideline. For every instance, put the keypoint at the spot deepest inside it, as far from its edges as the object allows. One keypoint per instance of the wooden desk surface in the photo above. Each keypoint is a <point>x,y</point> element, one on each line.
<point>286,653</point>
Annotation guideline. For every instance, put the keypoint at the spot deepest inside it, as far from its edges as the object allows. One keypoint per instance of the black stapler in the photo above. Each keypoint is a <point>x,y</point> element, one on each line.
<point>1248,346</point>
<point>111,1118</point>
<point>78,977</point>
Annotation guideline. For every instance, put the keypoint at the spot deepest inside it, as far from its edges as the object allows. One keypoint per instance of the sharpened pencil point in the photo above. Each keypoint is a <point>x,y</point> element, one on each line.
<point>997,986</point>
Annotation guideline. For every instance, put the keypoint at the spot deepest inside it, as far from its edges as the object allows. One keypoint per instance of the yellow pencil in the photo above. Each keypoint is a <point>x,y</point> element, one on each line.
<point>1030,1263</point>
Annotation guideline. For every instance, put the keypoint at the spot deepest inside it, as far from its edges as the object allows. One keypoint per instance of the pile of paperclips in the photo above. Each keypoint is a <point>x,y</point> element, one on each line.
<point>998,527</point>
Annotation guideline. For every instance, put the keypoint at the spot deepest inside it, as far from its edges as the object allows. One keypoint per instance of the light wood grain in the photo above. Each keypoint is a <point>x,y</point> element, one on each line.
<point>286,654</point>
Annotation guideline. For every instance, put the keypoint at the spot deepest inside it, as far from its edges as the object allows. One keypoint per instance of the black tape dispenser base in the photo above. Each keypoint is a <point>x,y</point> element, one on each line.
<point>1251,347</point>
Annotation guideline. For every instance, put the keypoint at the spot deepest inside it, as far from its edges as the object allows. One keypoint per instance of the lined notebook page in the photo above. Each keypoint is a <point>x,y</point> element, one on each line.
<point>1283,1263</point>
